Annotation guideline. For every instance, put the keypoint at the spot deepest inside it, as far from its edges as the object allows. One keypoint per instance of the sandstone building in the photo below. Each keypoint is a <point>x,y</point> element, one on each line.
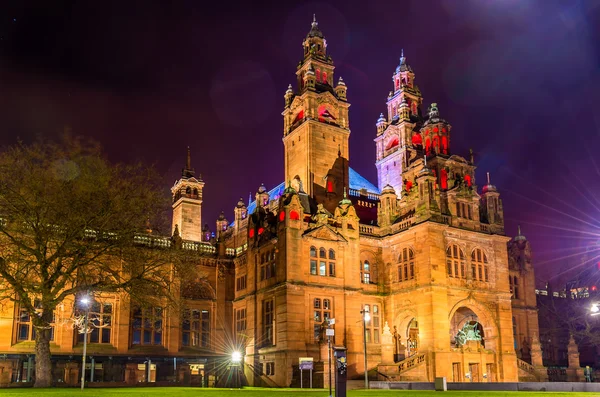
<point>423,252</point>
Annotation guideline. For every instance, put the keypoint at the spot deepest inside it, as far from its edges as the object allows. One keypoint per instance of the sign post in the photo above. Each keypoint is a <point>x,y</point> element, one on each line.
<point>305,363</point>
<point>329,332</point>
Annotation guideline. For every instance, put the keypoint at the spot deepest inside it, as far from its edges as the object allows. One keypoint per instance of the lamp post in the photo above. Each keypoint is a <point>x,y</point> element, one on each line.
<point>86,302</point>
<point>236,360</point>
<point>366,317</point>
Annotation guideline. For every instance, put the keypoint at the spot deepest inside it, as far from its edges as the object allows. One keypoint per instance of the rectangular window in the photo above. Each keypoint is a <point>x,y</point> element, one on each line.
<point>25,328</point>
<point>480,273</point>
<point>322,268</point>
<point>146,326</point>
<point>240,283</point>
<point>321,313</point>
<point>100,323</point>
<point>268,317</point>
<point>332,269</point>
<point>458,213</point>
<point>313,267</point>
<point>412,270</point>
<point>487,276</point>
<point>270,369</point>
<point>405,272</point>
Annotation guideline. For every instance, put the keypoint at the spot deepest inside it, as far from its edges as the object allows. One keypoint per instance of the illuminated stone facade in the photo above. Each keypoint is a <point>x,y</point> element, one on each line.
<point>423,252</point>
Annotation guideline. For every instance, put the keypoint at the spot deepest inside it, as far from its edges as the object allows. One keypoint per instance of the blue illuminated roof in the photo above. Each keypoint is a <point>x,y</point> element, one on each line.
<point>274,194</point>
<point>358,182</point>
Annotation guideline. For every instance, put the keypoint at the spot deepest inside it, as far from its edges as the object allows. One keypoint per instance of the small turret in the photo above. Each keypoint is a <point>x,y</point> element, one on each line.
<point>341,89</point>
<point>262,196</point>
<point>404,110</point>
<point>381,124</point>
<point>491,205</point>
<point>388,202</point>
<point>289,95</point>
<point>222,224</point>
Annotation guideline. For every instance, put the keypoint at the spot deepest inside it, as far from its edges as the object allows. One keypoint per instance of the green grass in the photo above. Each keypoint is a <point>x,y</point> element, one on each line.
<point>257,392</point>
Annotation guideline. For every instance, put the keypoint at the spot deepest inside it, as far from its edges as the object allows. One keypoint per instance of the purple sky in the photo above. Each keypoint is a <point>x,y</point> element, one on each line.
<point>519,80</point>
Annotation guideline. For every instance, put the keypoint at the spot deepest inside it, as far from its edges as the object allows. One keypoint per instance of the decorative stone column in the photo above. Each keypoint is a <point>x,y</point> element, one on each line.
<point>537,360</point>
<point>388,347</point>
<point>574,372</point>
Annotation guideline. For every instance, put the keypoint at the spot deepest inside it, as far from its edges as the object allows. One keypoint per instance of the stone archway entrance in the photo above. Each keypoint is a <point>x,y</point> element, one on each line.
<point>412,337</point>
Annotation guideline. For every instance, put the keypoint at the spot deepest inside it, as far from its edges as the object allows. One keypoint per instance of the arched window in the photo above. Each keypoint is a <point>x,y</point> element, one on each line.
<point>294,215</point>
<point>318,75</point>
<point>322,253</point>
<point>365,273</point>
<point>455,262</point>
<point>331,268</point>
<point>479,266</point>
<point>406,266</point>
<point>313,261</point>
<point>188,190</point>
<point>324,76</point>
<point>332,254</point>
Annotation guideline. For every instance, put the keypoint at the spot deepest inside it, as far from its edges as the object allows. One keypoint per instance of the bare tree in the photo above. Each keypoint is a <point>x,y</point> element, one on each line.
<point>70,222</point>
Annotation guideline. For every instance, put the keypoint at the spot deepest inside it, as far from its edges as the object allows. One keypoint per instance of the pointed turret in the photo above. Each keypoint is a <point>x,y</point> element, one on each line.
<point>491,206</point>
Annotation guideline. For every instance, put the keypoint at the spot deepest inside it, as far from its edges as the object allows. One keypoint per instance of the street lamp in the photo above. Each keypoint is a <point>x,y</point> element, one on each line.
<point>366,318</point>
<point>595,309</point>
<point>236,357</point>
<point>84,301</point>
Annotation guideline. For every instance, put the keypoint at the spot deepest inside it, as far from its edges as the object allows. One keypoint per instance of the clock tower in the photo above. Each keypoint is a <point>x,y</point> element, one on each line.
<point>316,127</point>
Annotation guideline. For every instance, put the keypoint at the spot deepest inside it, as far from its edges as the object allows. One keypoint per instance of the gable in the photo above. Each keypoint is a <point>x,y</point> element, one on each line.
<point>324,232</point>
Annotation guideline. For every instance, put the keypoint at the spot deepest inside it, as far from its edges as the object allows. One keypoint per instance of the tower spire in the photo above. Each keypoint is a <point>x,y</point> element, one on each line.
<point>488,179</point>
<point>188,163</point>
<point>188,171</point>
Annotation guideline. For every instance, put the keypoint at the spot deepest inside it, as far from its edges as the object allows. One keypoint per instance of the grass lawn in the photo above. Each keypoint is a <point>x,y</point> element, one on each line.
<point>257,392</point>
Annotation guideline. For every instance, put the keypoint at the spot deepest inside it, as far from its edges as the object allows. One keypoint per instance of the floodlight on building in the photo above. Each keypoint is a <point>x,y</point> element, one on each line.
<point>595,309</point>
<point>236,357</point>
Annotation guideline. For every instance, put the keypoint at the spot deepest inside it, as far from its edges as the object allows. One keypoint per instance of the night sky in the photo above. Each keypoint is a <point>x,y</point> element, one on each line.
<point>519,80</point>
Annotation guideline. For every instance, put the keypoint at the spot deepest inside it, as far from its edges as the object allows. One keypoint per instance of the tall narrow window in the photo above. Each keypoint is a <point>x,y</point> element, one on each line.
<point>372,325</point>
<point>406,267</point>
<point>25,327</point>
<point>146,326</point>
<point>455,262</point>
<point>479,265</point>
<point>100,319</point>
<point>240,324</point>
<point>313,261</point>
<point>365,274</point>
<point>267,317</point>
<point>321,315</point>
<point>331,263</point>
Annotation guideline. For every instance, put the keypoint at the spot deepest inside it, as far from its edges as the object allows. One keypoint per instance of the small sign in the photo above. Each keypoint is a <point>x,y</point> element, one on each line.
<point>332,321</point>
<point>306,363</point>
<point>329,332</point>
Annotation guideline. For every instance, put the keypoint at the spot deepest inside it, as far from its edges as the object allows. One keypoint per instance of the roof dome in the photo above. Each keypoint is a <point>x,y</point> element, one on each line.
<point>241,203</point>
<point>261,188</point>
<point>388,189</point>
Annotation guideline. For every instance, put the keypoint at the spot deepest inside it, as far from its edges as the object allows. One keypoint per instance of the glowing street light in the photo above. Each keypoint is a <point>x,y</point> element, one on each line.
<point>595,309</point>
<point>84,301</point>
<point>236,357</point>
<point>366,318</point>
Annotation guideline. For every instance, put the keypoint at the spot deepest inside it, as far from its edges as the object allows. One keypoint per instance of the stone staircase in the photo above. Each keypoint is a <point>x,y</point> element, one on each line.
<point>527,372</point>
<point>408,369</point>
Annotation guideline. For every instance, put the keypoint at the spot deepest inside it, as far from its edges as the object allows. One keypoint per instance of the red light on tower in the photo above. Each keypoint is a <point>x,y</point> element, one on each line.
<point>281,216</point>
<point>593,288</point>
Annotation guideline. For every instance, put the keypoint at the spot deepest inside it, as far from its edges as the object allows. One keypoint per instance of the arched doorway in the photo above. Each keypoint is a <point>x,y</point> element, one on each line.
<point>466,328</point>
<point>412,337</point>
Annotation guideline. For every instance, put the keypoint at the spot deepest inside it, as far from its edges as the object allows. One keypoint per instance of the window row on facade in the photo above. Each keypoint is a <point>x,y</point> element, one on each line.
<point>324,263</point>
<point>456,264</point>
<point>147,326</point>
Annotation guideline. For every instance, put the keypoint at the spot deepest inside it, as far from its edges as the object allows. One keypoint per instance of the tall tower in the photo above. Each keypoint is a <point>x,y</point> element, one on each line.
<point>396,142</point>
<point>316,128</point>
<point>187,203</point>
